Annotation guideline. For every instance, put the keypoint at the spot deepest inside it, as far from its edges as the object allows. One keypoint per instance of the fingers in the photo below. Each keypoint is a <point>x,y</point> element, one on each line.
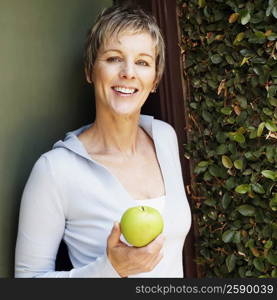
<point>129,260</point>
<point>160,238</point>
<point>157,243</point>
<point>114,237</point>
<point>151,261</point>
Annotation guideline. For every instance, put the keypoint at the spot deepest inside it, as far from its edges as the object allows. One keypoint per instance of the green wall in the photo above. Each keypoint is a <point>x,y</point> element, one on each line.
<point>43,93</point>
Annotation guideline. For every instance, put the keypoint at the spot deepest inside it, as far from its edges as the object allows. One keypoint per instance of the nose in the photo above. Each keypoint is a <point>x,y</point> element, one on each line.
<point>127,71</point>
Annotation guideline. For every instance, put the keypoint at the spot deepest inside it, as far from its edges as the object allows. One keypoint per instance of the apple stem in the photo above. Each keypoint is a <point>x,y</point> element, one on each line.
<point>142,208</point>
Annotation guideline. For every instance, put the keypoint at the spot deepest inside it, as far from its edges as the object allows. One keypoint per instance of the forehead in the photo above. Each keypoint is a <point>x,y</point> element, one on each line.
<point>130,40</point>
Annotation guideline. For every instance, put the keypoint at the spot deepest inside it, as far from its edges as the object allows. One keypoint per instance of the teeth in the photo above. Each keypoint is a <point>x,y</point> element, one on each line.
<point>124,90</point>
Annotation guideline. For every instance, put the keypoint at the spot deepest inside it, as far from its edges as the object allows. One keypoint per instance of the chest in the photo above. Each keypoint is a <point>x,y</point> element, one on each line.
<point>140,176</point>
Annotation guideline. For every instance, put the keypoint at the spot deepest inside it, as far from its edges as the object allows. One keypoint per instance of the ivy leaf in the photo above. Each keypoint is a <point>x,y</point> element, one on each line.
<point>242,101</point>
<point>227,162</point>
<point>273,202</point>
<point>239,37</point>
<point>231,120</point>
<point>268,11</point>
<point>210,202</point>
<point>238,137</point>
<point>227,236</point>
<point>198,170</point>
<point>270,153</point>
<point>207,116</point>
<point>230,183</point>
<point>221,149</point>
<point>221,137</point>
<point>226,200</point>
<point>207,176</point>
<point>217,171</point>
<point>272,257</point>
<point>269,174</point>
<point>270,126</point>
<point>260,34</point>
<point>246,210</point>
<point>213,215</point>
<point>244,16</point>
<point>258,70</point>
<point>247,172</point>
<point>193,105</point>
<point>238,164</point>
<point>274,273</point>
<point>236,237</point>
<point>216,59</point>
<point>257,188</point>
<point>252,134</point>
<point>259,264</point>
<point>230,60</point>
<point>203,163</point>
<point>250,156</point>
<point>268,244</point>
<point>231,262</point>
<point>242,189</point>
<point>247,52</point>
<point>267,111</point>
<point>260,129</point>
<point>226,110</point>
<point>274,12</point>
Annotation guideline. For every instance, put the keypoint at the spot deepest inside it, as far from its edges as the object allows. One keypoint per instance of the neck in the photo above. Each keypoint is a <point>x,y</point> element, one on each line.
<point>116,134</point>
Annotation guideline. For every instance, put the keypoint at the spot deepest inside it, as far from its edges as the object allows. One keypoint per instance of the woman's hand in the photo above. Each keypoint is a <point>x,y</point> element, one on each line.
<point>129,260</point>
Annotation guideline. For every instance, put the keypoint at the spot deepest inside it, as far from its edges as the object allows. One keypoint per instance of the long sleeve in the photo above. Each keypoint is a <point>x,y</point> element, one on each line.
<point>41,227</point>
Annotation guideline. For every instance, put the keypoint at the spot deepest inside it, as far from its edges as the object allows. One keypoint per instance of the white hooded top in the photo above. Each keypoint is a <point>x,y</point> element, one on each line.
<point>72,197</point>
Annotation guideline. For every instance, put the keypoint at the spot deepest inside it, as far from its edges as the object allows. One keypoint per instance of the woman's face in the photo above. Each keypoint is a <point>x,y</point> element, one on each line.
<point>124,72</point>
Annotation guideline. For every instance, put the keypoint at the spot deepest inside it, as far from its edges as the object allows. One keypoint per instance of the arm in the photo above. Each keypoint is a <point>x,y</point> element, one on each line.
<point>41,228</point>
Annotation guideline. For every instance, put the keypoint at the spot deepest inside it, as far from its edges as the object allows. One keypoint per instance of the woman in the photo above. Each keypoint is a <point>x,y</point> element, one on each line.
<point>79,190</point>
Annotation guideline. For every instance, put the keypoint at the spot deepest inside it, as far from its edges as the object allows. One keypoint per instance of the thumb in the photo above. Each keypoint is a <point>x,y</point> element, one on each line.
<point>114,237</point>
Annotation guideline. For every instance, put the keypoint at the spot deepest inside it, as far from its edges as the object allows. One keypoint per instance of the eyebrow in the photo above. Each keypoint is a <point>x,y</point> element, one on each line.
<point>116,50</point>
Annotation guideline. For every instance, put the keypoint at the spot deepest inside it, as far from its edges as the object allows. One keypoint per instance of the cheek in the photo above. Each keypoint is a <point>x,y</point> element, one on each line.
<point>148,77</point>
<point>103,73</point>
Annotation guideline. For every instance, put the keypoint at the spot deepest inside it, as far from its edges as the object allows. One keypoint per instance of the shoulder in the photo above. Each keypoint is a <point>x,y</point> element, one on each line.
<point>56,154</point>
<point>51,161</point>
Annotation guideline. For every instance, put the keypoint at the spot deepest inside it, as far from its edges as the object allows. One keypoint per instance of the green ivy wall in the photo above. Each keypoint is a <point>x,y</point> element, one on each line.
<point>230,68</point>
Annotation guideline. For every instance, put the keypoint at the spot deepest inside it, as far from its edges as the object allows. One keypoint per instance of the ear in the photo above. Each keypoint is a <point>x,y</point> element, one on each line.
<point>88,76</point>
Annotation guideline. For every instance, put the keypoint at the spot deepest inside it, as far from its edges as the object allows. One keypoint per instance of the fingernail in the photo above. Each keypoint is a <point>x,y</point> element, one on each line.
<point>115,224</point>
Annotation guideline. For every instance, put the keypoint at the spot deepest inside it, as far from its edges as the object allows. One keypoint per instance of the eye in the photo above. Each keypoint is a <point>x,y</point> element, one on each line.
<point>114,59</point>
<point>142,63</point>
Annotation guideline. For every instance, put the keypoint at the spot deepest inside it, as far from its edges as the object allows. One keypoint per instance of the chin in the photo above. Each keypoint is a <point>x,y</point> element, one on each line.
<point>126,110</point>
<point>125,113</point>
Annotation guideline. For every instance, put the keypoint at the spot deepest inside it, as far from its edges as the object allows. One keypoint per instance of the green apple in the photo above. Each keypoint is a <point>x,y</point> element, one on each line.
<point>141,224</point>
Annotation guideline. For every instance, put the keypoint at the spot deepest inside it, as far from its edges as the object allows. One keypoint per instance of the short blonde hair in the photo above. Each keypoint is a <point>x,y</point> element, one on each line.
<point>116,19</point>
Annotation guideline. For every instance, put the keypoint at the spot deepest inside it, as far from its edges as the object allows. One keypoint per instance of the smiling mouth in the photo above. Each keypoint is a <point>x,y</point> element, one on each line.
<point>124,91</point>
